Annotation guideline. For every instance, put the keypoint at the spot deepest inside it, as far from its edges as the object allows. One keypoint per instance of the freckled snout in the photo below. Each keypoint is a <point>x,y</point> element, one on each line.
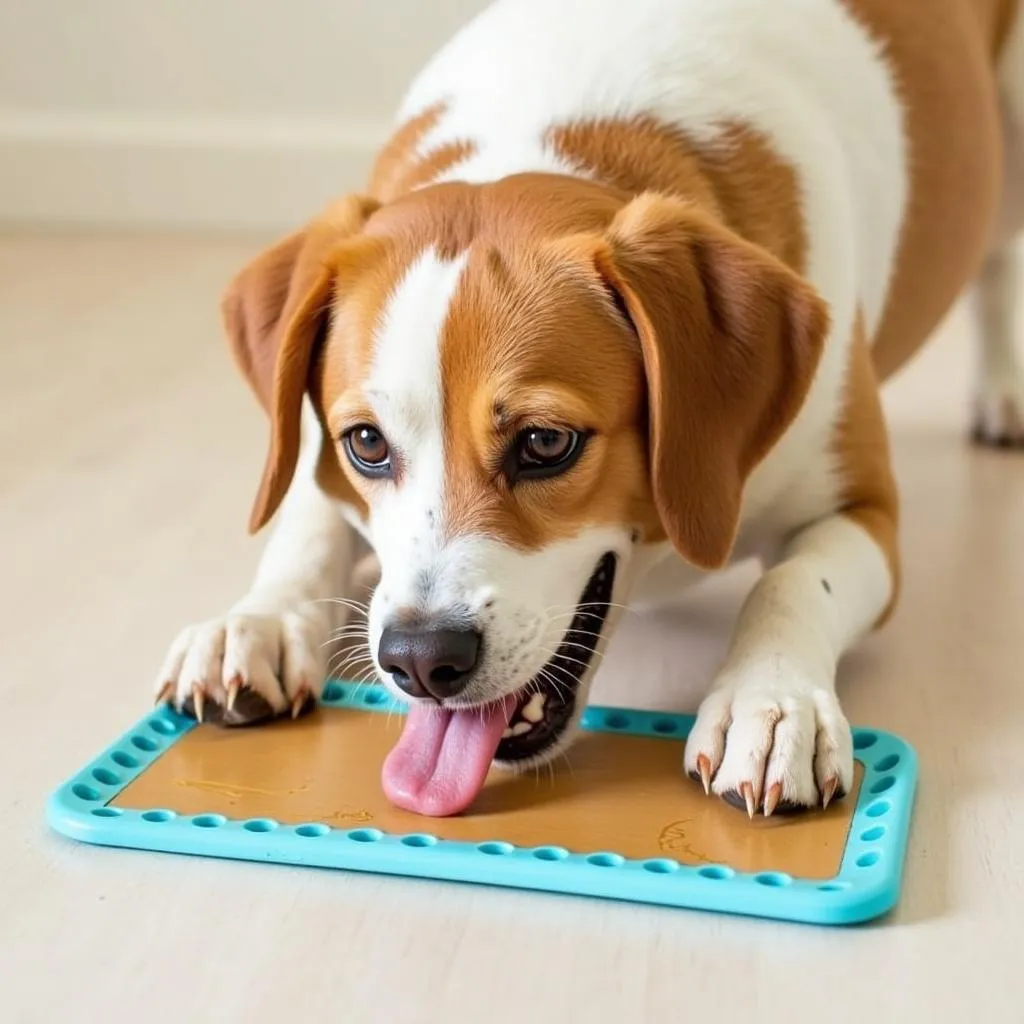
<point>436,663</point>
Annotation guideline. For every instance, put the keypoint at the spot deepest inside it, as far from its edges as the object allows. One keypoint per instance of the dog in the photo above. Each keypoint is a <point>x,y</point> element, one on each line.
<point>611,315</point>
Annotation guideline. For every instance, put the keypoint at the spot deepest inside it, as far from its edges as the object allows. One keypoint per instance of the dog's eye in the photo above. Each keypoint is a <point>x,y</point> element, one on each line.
<point>546,446</point>
<point>368,451</point>
<point>545,451</point>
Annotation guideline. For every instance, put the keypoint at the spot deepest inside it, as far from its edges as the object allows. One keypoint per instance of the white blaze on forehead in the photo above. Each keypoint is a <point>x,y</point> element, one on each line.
<point>405,392</point>
<point>404,383</point>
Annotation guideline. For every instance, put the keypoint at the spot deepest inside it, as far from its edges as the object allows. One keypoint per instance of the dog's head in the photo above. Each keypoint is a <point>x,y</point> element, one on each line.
<point>522,386</point>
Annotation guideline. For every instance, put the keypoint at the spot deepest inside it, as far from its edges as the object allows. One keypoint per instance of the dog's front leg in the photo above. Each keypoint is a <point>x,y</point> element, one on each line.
<point>267,655</point>
<point>771,733</point>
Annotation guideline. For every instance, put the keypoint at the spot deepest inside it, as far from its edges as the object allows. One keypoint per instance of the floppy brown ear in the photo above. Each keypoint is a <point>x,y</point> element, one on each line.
<point>731,339</point>
<point>275,312</point>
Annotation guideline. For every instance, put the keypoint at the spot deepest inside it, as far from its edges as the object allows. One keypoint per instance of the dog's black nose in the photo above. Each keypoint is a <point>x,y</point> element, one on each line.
<point>429,662</point>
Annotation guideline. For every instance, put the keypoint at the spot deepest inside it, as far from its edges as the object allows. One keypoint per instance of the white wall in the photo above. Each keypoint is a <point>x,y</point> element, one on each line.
<point>218,113</point>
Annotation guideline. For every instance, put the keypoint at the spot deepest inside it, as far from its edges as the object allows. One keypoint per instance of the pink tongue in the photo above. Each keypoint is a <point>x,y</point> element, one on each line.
<point>441,759</point>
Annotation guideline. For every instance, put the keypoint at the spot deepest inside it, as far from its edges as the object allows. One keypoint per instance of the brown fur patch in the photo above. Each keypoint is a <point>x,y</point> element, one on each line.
<point>274,313</point>
<point>401,165</point>
<point>508,214</point>
<point>1000,16</point>
<point>738,178</point>
<point>731,339</point>
<point>941,53</point>
<point>532,341</point>
<point>365,271</point>
<point>252,309</point>
<point>370,270</point>
<point>868,493</point>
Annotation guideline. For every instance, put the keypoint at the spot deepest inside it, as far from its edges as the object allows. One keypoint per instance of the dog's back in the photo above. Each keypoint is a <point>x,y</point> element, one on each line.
<point>904,92</point>
<point>949,58</point>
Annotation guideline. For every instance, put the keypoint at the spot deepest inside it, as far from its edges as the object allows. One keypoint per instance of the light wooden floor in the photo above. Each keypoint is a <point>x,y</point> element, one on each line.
<point>128,457</point>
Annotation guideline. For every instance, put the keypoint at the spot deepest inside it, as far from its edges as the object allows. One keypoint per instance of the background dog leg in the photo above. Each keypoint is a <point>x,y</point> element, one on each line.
<point>999,401</point>
<point>771,733</point>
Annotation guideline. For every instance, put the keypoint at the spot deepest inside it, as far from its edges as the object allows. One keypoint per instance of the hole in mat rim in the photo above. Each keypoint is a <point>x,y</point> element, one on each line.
<point>716,872</point>
<point>606,859</point>
<point>260,825</point>
<point>419,840</point>
<point>366,835</point>
<point>551,853</point>
<point>495,848</point>
<point>209,820</point>
<point>773,879</point>
<point>312,830</point>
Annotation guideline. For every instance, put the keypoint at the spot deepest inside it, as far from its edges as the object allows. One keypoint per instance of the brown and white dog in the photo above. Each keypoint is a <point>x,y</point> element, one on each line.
<point>611,315</point>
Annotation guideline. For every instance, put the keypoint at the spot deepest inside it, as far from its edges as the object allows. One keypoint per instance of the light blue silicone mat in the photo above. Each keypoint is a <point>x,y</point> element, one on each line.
<point>867,885</point>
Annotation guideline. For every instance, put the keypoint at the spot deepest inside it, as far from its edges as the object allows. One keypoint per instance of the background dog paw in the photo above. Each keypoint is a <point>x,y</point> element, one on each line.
<point>999,416</point>
<point>243,669</point>
<point>772,748</point>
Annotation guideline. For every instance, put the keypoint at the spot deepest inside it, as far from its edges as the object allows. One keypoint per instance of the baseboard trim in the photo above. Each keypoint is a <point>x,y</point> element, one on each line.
<point>219,174</point>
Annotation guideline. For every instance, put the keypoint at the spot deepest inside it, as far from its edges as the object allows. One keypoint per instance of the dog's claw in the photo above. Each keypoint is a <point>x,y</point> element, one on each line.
<point>828,791</point>
<point>198,700</point>
<point>165,694</point>
<point>704,767</point>
<point>747,792</point>
<point>232,693</point>
<point>300,700</point>
<point>771,799</point>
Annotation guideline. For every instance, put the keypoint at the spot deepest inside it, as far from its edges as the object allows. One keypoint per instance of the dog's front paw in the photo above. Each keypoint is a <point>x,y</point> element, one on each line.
<point>245,668</point>
<point>772,745</point>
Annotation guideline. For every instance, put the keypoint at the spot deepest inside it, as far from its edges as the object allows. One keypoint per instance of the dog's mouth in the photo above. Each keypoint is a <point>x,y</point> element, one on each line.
<point>547,703</point>
<point>439,764</point>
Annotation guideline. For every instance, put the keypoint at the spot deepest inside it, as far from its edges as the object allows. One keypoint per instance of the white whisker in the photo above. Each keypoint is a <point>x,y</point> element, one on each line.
<point>350,664</point>
<point>339,639</point>
<point>568,680</point>
<point>564,657</point>
<point>578,631</point>
<point>352,629</point>
<point>562,612</point>
<point>593,651</point>
<point>355,606</point>
<point>586,647</point>
<point>560,686</point>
